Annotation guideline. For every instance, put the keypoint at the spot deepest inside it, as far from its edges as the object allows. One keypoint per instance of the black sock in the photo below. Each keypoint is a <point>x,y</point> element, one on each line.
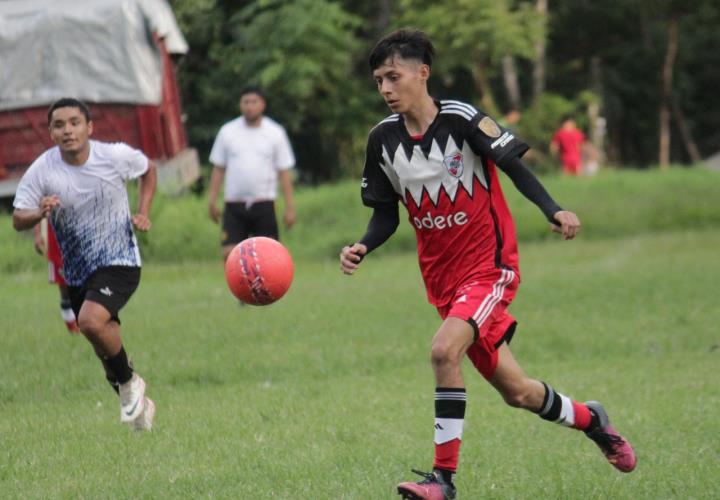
<point>445,474</point>
<point>120,367</point>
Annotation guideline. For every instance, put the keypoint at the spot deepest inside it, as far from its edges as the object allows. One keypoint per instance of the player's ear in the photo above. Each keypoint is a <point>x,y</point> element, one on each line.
<point>90,128</point>
<point>424,72</point>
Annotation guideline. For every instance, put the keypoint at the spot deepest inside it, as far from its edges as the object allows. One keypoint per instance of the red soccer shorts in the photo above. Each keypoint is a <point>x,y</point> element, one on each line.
<point>483,303</point>
<point>55,260</point>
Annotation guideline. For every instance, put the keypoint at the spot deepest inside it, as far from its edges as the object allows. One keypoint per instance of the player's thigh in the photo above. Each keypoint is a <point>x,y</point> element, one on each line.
<point>111,287</point>
<point>263,221</point>
<point>234,224</point>
<point>452,339</point>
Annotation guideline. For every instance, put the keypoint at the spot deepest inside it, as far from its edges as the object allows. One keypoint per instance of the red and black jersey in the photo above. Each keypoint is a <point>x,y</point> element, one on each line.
<point>449,184</point>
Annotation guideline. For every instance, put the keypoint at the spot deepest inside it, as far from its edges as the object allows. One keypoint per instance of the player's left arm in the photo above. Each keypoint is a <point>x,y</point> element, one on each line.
<point>286,184</point>
<point>561,221</point>
<point>146,192</point>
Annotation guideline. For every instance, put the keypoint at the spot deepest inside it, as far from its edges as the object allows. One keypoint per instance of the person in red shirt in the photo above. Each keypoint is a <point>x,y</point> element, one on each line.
<point>568,141</point>
<point>441,159</point>
<point>46,244</point>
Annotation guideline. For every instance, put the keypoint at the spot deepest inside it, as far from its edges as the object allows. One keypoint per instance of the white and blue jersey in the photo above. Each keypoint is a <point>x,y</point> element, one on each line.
<point>93,222</point>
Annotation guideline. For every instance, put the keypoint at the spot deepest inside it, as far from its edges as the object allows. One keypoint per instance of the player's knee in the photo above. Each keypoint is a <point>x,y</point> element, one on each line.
<point>89,324</point>
<point>444,354</point>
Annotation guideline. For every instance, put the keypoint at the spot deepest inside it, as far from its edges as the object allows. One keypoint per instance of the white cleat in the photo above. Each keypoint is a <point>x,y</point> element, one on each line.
<point>145,421</point>
<point>132,399</point>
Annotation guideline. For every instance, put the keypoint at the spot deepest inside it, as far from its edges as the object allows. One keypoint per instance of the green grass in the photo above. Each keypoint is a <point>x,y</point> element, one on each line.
<point>328,393</point>
<point>614,204</point>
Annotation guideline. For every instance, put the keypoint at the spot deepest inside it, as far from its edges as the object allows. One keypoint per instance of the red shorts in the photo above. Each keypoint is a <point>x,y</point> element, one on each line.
<point>483,303</point>
<point>55,260</point>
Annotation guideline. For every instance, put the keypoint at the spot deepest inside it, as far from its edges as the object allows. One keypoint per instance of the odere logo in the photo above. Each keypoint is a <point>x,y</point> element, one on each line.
<point>440,221</point>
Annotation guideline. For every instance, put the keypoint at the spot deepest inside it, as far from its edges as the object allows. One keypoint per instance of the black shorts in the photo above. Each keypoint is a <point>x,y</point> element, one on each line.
<point>241,221</point>
<point>111,287</point>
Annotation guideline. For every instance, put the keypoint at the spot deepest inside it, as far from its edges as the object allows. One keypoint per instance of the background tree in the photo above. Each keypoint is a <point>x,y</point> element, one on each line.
<point>475,36</point>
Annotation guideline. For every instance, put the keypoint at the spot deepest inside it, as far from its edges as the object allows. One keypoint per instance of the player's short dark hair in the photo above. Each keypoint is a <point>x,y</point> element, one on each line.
<point>69,102</point>
<point>405,43</point>
<point>252,89</point>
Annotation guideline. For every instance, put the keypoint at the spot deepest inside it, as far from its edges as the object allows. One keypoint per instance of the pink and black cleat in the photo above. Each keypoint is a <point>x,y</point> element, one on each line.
<point>433,487</point>
<point>616,448</point>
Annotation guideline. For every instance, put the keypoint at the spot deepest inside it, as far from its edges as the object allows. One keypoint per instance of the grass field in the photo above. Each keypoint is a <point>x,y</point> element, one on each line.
<point>328,394</point>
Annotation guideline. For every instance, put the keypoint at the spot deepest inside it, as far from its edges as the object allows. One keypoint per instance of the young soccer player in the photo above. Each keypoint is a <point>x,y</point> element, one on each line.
<point>80,186</point>
<point>441,160</point>
<point>46,244</point>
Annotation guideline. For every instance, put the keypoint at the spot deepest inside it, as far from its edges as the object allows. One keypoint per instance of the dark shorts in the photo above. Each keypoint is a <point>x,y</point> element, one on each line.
<point>111,287</point>
<point>240,221</point>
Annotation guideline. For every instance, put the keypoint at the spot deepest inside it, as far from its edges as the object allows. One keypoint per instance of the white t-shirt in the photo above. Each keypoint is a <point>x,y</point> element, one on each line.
<point>93,222</point>
<point>252,158</point>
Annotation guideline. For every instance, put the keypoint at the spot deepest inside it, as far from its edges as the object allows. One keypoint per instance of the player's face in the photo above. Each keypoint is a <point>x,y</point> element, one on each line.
<point>401,82</point>
<point>70,130</point>
<point>252,106</point>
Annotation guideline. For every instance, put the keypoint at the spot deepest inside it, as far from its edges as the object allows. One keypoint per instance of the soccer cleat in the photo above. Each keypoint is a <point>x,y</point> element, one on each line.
<point>433,487</point>
<point>615,447</point>
<point>145,421</point>
<point>132,398</point>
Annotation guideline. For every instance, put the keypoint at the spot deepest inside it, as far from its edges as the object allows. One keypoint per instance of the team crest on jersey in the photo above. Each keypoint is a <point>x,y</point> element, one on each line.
<point>489,127</point>
<point>454,164</point>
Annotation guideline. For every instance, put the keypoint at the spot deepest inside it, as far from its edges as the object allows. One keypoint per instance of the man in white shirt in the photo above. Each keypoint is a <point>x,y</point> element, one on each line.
<point>79,185</point>
<point>251,153</point>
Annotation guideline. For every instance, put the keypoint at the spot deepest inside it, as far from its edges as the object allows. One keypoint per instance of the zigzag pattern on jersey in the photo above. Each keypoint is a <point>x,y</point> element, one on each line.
<point>420,175</point>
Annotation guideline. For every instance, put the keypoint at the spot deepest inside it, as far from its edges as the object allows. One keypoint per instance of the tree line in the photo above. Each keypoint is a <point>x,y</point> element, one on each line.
<point>639,76</point>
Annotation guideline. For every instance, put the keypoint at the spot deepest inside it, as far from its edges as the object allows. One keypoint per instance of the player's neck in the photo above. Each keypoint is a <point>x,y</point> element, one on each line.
<point>419,118</point>
<point>255,122</point>
<point>76,158</point>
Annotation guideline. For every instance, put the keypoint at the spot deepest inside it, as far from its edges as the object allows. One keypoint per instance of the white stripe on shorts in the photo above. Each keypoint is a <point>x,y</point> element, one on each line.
<point>494,297</point>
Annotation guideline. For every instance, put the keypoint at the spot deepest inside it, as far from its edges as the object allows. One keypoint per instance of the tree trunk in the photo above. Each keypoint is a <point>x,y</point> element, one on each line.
<point>541,7</point>
<point>685,134</point>
<point>510,78</point>
<point>666,83</point>
<point>482,86</point>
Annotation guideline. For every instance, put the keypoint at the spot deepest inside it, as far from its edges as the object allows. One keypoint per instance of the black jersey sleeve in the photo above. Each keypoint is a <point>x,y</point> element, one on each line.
<point>488,138</point>
<point>376,188</point>
<point>383,223</point>
<point>529,186</point>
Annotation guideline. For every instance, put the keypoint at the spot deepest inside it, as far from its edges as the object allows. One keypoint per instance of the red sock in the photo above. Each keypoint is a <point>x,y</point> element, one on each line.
<point>582,416</point>
<point>446,455</point>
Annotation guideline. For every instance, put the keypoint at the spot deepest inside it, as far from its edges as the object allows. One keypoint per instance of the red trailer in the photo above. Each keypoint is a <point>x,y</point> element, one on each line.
<point>116,56</point>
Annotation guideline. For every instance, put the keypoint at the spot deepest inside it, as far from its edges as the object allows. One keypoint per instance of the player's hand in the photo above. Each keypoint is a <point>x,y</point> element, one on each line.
<point>141,222</point>
<point>289,217</point>
<point>568,224</point>
<point>214,213</point>
<point>48,203</point>
<point>350,257</point>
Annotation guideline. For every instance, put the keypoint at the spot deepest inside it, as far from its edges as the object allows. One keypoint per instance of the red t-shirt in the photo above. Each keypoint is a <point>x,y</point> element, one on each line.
<point>448,182</point>
<point>569,141</point>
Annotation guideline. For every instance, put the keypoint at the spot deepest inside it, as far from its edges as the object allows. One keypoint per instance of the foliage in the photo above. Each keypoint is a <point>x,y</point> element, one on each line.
<point>475,35</point>
<point>311,54</point>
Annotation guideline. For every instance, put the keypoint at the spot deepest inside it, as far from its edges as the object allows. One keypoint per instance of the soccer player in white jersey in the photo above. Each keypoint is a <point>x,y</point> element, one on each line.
<point>441,160</point>
<point>251,153</point>
<point>79,185</point>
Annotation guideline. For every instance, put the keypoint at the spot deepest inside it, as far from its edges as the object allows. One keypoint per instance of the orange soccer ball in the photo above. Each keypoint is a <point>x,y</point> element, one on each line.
<point>259,271</point>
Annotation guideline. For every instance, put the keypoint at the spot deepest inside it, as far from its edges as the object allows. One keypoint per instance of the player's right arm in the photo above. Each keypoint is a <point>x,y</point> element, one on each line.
<point>378,193</point>
<point>382,225</point>
<point>27,218</point>
<point>216,178</point>
<point>219,160</point>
